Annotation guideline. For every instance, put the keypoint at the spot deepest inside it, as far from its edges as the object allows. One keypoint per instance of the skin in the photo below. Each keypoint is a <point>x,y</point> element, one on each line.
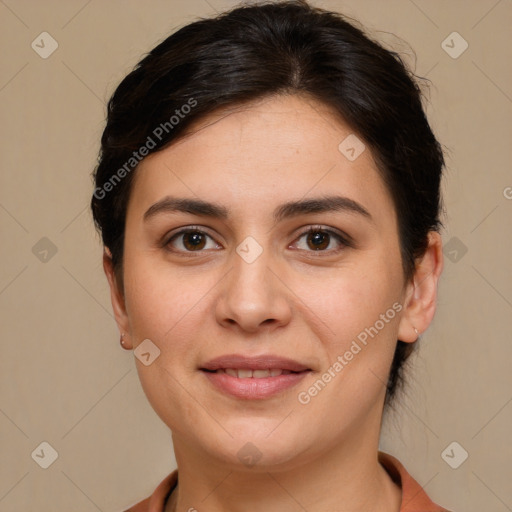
<point>292,301</point>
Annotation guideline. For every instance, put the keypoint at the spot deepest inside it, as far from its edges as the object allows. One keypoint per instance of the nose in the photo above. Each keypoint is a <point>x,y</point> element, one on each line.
<point>252,297</point>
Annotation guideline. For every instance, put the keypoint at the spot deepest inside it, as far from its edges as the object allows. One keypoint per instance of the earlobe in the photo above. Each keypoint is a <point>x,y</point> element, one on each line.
<point>421,294</point>
<point>116,297</point>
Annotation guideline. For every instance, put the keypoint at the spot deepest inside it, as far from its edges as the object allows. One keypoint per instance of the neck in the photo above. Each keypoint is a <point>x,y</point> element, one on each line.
<point>348,473</point>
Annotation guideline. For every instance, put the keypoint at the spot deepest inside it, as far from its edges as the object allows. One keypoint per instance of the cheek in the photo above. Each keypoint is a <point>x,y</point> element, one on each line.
<point>163,305</point>
<point>168,309</point>
<point>351,299</point>
<point>359,315</point>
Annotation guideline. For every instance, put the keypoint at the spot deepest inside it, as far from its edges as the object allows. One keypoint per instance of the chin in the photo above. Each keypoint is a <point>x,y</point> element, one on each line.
<point>259,447</point>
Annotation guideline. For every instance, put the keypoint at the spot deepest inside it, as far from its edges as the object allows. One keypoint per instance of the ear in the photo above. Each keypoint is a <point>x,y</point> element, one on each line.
<point>421,293</point>
<point>117,298</point>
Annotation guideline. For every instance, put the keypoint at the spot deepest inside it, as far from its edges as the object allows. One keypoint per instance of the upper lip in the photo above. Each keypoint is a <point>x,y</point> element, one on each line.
<point>262,362</point>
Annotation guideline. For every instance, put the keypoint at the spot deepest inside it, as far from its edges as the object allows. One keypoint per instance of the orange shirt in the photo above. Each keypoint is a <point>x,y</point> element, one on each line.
<point>414,498</point>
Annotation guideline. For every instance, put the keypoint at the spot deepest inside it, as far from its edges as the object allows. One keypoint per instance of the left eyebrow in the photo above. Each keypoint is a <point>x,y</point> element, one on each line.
<point>287,210</point>
<point>320,205</point>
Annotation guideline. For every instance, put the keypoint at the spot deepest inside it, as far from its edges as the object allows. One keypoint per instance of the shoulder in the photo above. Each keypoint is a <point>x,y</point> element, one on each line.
<point>156,502</point>
<point>414,497</point>
<point>142,506</point>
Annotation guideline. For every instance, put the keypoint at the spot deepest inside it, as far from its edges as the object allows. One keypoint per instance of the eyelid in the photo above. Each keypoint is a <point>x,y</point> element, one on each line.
<point>168,237</point>
<point>343,238</point>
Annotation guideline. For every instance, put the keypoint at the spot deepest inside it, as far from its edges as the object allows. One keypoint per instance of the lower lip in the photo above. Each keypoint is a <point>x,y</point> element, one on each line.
<point>251,388</point>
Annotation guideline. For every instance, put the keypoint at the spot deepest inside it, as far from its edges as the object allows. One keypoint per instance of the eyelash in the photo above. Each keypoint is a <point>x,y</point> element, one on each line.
<point>344,240</point>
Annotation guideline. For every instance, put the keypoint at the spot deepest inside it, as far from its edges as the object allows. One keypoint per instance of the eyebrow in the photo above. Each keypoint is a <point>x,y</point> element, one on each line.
<point>287,210</point>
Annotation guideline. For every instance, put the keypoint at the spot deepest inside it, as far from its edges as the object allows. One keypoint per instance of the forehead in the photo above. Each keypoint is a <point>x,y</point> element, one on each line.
<point>261,153</point>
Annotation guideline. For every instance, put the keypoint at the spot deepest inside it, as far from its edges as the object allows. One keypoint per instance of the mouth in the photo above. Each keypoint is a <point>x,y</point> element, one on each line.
<point>253,378</point>
<point>247,373</point>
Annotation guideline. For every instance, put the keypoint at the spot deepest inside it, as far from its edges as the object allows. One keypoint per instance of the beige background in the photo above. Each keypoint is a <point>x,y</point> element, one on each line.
<point>64,378</point>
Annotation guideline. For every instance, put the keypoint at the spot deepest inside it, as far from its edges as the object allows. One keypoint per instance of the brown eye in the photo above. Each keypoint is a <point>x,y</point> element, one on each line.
<point>194,240</point>
<point>321,240</point>
<point>191,240</point>
<point>318,240</point>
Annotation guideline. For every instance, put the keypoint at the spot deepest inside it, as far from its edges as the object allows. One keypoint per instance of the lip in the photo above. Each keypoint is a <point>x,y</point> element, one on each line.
<point>254,388</point>
<point>261,362</point>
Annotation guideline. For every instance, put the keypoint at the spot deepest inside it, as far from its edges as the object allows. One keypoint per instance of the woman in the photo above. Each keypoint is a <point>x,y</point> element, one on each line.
<point>268,198</point>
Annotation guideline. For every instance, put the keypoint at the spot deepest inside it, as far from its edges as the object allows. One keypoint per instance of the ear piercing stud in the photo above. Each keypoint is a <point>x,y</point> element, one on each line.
<point>122,340</point>
<point>416,330</point>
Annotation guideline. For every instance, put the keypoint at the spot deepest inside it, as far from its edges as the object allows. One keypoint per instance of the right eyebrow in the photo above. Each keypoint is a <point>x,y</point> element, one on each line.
<point>194,206</point>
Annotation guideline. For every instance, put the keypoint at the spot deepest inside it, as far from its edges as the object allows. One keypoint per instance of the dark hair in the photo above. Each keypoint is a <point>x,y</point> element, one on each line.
<point>255,51</point>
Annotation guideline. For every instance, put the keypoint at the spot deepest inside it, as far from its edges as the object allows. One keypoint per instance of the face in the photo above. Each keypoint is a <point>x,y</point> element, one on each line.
<point>255,244</point>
